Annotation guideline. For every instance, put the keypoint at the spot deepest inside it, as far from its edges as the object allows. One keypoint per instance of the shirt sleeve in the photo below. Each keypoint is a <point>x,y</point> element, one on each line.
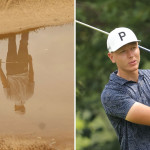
<point>147,73</point>
<point>117,103</point>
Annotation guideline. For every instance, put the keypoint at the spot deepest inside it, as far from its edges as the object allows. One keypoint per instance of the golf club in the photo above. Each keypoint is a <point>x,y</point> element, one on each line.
<point>89,26</point>
<point>11,62</point>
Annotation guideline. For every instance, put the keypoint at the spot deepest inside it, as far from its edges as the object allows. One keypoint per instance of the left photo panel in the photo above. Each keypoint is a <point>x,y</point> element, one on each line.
<point>37,75</point>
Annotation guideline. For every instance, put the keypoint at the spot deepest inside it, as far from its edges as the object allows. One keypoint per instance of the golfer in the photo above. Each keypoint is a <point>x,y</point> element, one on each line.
<point>126,97</point>
<point>18,83</point>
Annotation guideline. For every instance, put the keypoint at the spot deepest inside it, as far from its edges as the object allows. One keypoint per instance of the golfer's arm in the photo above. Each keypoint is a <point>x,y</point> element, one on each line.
<point>31,72</point>
<point>3,78</point>
<point>139,114</point>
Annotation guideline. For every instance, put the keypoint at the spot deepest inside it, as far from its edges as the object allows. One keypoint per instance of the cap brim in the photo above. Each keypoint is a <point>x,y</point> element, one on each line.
<point>125,44</point>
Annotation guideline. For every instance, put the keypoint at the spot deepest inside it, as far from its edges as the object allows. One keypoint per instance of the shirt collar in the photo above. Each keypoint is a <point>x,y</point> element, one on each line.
<point>115,78</point>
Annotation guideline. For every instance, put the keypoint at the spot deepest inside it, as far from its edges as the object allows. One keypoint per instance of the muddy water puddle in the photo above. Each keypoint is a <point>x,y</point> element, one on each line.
<point>36,92</point>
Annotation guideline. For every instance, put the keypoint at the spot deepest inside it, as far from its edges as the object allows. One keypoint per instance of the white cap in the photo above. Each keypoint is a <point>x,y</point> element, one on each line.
<point>120,37</point>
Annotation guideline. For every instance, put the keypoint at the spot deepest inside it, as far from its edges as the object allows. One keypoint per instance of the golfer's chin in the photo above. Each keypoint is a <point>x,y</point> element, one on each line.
<point>134,68</point>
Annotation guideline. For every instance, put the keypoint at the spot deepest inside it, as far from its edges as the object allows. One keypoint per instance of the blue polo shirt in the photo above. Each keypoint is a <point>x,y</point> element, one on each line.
<point>117,98</point>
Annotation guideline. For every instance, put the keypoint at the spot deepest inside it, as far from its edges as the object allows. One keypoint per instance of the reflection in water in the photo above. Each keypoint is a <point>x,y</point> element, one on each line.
<point>18,83</point>
<point>49,117</point>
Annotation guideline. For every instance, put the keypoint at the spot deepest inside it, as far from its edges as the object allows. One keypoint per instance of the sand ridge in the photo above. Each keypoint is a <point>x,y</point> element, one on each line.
<point>20,15</point>
<point>32,142</point>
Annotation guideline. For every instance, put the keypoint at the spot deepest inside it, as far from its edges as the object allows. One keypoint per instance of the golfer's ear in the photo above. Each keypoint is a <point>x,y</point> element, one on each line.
<point>111,57</point>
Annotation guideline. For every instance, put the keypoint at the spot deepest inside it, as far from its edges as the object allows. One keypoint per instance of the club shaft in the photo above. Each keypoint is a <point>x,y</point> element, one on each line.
<point>92,27</point>
<point>89,26</point>
<point>144,48</point>
<point>12,62</point>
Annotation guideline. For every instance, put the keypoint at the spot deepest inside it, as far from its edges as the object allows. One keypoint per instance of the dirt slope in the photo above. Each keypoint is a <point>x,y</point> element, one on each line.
<point>19,15</point>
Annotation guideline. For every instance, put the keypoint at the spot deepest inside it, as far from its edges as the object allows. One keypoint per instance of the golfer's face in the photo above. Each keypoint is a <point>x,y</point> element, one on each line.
<point>127,57</point>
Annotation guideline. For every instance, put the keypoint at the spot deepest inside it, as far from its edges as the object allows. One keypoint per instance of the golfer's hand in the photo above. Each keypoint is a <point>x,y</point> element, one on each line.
<point>29,58</point>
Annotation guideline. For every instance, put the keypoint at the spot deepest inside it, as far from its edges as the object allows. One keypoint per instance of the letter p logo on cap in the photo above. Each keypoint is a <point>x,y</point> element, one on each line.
<point>122,34</point>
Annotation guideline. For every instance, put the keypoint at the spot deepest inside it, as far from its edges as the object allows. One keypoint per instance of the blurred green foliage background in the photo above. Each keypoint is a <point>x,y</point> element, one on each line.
<point>93,130</point>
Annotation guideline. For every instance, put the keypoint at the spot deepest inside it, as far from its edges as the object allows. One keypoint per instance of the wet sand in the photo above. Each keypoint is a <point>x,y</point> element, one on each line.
<point>48,123</point>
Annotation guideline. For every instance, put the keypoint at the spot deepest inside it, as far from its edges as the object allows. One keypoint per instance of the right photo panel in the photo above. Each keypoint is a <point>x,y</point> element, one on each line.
<point>112,75</point>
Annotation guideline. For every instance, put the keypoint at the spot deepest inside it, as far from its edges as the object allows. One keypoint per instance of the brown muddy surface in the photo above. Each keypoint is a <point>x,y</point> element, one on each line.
<point>19,15</point>
<point>46,121</point>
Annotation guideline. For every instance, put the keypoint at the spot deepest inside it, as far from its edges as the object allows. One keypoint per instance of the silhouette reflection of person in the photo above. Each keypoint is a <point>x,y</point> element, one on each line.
<point>19,83</point>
